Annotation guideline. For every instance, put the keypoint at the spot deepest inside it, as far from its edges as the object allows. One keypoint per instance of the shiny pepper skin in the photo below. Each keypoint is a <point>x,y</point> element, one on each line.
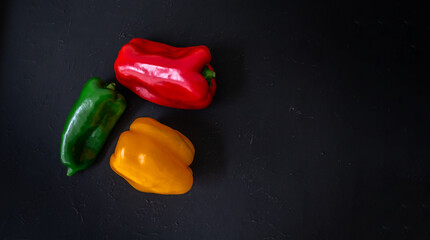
<point>154,158</point>
<point>165,75</point>
<point>89,123</point>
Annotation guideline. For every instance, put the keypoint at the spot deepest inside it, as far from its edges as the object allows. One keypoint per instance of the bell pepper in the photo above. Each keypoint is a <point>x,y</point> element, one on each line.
<point>165,75</point>
<point>154,158</point>
<point>89,123</point>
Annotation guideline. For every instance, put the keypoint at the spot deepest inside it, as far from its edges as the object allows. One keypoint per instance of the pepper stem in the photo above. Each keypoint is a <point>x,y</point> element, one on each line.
<point>111,86</point>
<point>208,74</point>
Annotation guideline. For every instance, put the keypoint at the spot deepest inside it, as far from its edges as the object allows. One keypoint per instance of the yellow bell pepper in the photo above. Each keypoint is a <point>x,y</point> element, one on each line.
<point>154,158</point>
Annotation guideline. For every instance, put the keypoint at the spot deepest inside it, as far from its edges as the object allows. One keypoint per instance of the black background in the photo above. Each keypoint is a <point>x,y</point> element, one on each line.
<point>318,130</point>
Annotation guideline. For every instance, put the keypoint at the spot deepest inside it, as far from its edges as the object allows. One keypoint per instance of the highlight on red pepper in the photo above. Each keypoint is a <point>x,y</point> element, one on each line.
<point>169,76</point>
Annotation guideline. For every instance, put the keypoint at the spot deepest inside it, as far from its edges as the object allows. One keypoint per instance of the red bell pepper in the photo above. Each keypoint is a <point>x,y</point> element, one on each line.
<point>165,75</point>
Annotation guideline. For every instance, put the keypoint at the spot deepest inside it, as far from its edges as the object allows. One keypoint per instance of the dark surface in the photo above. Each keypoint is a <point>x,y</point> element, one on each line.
<point>319,128</point>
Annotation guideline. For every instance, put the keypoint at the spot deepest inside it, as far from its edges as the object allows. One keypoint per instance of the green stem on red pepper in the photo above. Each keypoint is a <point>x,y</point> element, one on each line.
<point>208,74</point>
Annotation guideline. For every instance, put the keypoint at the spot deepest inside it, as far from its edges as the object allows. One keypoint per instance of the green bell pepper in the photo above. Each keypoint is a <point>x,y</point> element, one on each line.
<point>89,123</point>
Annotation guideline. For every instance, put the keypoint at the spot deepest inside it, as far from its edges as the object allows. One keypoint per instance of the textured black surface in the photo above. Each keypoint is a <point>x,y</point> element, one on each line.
<point>319,128</point>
